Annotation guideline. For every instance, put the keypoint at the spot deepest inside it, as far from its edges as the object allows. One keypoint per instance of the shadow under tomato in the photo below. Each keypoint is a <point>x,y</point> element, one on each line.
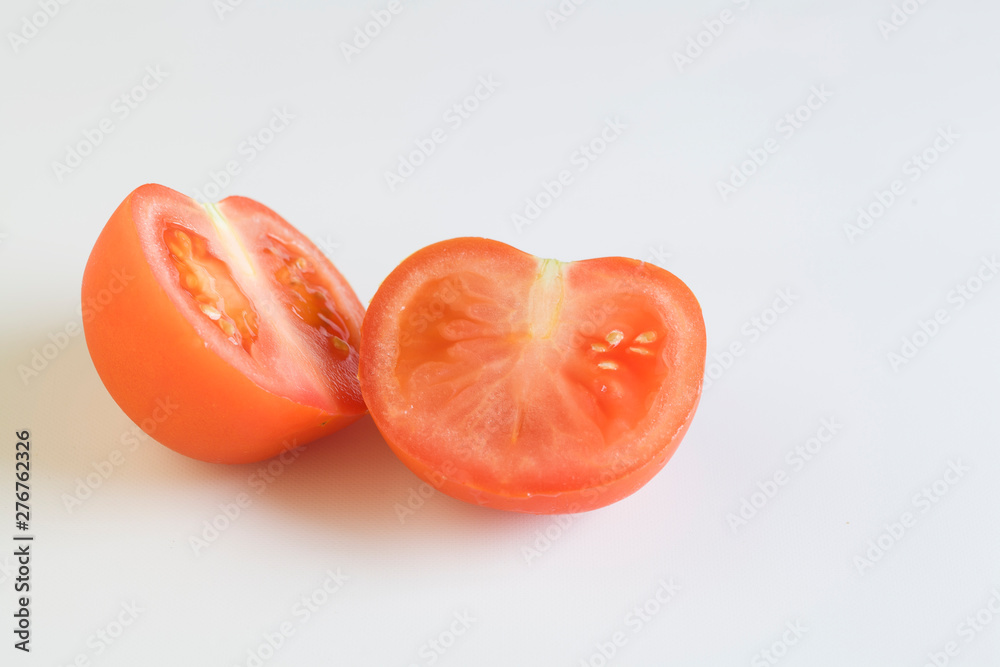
<point>346,485</point>
<point>52,389</point>
<point>352,480</point>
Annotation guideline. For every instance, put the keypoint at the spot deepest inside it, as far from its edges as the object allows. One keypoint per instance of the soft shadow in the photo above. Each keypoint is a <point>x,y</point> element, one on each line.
<point>351,479</point>
<point>347,483</point>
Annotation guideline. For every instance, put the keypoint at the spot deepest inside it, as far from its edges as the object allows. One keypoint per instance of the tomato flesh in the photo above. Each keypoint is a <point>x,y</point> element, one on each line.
<point>529,384</point>
<point>233,314</point>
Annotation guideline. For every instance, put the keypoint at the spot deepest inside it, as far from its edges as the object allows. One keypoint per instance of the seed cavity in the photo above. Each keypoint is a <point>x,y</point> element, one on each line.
<point>308,299</point>
<point>210,282</point>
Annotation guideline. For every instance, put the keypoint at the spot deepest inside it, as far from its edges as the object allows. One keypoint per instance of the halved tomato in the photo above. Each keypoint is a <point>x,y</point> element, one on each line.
<point>531,384</point>
<point>228,315</point>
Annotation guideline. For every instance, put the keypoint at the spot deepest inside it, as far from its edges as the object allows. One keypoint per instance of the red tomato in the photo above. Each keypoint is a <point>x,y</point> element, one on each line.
<point>530,384</point>
<point>219,328</point>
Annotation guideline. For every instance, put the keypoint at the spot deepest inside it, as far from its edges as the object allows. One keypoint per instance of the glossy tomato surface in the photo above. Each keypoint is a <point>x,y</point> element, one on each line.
<point>219,328</point>
<point>530,384</point>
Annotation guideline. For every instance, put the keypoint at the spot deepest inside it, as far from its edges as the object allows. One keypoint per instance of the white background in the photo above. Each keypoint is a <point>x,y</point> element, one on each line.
<point>653,194</point>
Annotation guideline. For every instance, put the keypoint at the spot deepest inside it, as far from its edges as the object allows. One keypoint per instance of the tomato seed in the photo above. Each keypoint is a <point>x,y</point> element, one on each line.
<point>340,345</point>
<point>646,337</point>
<point>179,243</point>
<point>210,310</point>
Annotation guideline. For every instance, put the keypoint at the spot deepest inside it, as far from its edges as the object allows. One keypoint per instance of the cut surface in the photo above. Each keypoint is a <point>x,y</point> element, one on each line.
<point>521,377</point>
<point>260,294</point>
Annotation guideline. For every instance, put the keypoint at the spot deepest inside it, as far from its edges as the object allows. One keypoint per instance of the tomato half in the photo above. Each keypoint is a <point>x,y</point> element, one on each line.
<point>531,384</point>
<point>219,328</point>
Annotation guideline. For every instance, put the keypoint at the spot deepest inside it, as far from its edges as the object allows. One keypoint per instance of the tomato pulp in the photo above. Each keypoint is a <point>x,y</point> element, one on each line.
<point>530,384</point>
<point>219,328</point>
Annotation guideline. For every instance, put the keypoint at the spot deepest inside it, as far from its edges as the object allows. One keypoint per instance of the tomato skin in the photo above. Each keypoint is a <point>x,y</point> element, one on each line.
<point>149,356</point>
<point>567,502</point>
<point>386,331</point>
